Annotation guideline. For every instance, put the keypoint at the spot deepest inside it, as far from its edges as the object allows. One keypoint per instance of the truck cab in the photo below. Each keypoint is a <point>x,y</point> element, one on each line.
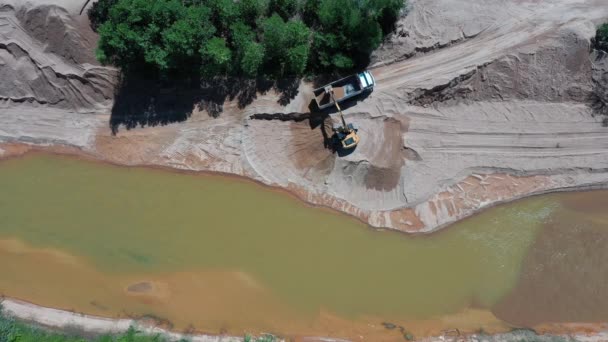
<point>366,80</point>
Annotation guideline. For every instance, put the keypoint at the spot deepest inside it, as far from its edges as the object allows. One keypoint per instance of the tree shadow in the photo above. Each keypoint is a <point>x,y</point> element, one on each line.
<point>288,89</point>
<point>326,78</point>
<point>143,99</point>
<point>599,96</point>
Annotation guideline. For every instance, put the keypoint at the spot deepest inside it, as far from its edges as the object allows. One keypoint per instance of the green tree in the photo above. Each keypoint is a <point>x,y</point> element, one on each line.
<point>348,31</point>
<point>285,8</point>
<point>297,58</point>
<point>601,38</point>
<point>245,36</point>
<point>388,13</point>
<point>286,44</point>
<point>242,38</point>
<point>242,34</point>
<point>341,61</point>
<point>297,45</point>
<point>216,57</point>
<point>224,13</point>
<point>251,10</point>
<point>184,37</point>
<point>99,12</point>
<point>252,60</point>
<point>133,32</point>
<point>310,10</point>
<point>273,29</point>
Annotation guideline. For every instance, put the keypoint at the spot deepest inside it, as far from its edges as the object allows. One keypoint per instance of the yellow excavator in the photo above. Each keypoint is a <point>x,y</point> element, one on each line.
<point>346,134</point>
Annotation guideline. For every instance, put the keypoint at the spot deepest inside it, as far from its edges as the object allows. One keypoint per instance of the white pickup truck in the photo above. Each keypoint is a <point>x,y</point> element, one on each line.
<point>344,88</point>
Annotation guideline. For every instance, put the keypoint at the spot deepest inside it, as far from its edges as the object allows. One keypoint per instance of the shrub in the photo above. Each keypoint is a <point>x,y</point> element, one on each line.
<point>216,56</point>
<point>253,57</point>
<point>245,37</point>
<point>601,38</point>
<point>285,8</point>
<point>99,11</point>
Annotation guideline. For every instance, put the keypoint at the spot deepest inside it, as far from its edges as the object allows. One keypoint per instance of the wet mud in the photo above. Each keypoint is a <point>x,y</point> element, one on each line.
<point>564,275</point>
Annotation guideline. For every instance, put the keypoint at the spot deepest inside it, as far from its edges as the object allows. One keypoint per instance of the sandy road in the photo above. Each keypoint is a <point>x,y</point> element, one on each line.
<point>515,25</point>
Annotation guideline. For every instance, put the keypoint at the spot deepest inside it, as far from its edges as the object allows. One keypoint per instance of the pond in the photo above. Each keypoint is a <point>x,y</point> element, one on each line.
<point>220,254</point>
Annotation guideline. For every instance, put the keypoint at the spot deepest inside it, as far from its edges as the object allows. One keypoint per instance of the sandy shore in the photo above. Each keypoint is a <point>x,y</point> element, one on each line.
<point>59,319</point>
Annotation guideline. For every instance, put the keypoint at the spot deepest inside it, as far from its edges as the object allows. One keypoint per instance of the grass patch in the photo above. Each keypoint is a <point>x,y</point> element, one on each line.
<point>12,330</point>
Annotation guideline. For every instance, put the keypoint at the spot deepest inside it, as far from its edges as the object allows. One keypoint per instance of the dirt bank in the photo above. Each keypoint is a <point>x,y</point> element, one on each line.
<point>92,324</point>
<point>60,319</point>
<point>496,110</point>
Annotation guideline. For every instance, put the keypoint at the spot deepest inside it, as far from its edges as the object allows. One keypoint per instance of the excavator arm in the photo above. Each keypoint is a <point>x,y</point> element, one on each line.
<point>331,92</point>
<point>346,134</point>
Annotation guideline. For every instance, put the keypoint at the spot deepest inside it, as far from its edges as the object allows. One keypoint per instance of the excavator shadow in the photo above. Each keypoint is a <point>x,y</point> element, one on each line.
<point>322,121</point>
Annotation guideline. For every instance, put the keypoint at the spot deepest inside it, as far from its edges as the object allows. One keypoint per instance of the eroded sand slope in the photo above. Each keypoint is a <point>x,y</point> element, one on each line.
<point>477,102</point>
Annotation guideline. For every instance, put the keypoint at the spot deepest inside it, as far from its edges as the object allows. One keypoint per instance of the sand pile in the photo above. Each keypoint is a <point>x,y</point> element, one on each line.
<point>47,59</point>
<point>67,36</point>
<point>426,26</point>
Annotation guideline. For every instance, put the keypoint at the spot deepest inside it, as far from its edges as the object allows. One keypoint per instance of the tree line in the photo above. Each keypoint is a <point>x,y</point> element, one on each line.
<point>601,38</point>
<point>274,38</point>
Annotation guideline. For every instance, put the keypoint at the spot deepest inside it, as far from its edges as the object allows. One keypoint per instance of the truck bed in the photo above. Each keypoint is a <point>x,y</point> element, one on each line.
<point>343,88</point>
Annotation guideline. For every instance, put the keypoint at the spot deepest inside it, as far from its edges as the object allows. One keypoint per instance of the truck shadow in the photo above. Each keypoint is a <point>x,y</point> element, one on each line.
<point>344,105</point>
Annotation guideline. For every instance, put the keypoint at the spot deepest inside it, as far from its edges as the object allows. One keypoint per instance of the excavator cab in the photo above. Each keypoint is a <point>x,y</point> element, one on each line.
<point>345,135</point>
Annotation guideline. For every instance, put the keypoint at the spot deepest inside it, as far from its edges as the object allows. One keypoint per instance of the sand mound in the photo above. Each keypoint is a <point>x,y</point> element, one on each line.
<point>64,35</point>
<point>40,62</point>
<point>427,25</point>
<point>556,71</point>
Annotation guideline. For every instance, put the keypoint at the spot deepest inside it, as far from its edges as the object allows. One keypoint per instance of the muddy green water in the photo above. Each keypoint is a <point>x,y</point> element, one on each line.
<point>134,220</point>
<point>131,219</point>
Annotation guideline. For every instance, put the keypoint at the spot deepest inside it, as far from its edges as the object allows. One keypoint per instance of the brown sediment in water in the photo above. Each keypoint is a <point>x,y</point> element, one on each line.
<point>592,202</point>
<point>141,287</point>
<point>196,299</point>
<point>564,276</point>
<point>184,298</point>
